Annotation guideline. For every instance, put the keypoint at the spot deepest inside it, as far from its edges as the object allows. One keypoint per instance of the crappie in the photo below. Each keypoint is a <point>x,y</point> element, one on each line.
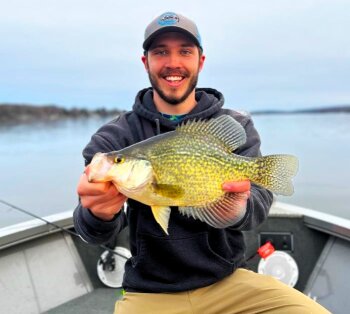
<point>187,167</point>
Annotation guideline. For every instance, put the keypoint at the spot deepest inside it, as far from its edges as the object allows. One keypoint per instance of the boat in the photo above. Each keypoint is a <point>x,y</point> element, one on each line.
<point>45,267</point>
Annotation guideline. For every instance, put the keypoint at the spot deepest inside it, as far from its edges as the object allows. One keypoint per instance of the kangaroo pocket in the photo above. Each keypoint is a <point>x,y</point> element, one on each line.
<point>167,264</point>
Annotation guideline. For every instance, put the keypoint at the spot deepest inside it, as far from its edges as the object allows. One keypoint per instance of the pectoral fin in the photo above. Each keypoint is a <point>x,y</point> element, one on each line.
<point>167,190</point>
<point>161,215</point>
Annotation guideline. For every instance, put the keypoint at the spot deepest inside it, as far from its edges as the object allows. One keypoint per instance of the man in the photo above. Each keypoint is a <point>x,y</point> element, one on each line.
<point>197,268</point>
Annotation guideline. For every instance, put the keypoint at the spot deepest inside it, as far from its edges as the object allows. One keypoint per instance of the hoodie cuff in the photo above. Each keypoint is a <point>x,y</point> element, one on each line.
<point>97,224</point>
<point>93,229</point>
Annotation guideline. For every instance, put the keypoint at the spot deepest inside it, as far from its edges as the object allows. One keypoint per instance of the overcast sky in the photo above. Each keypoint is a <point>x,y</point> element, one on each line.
<point>268,54</point>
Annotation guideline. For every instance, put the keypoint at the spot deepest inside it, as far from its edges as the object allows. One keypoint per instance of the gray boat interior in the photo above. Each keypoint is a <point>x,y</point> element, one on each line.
<point>46,270</point>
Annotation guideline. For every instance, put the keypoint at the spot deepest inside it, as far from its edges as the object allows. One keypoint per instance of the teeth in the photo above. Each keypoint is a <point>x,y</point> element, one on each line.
<point>173,78</point>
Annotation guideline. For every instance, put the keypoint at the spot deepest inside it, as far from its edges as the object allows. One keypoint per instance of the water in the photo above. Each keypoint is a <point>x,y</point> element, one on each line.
<point>40,164</point>
<point>322,144</point>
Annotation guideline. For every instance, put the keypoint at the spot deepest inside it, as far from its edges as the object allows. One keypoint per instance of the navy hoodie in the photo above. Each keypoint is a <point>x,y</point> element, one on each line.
<point>194,254</point>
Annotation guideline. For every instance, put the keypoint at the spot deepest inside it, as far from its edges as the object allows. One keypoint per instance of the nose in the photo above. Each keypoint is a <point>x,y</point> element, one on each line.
<point>173,61</point>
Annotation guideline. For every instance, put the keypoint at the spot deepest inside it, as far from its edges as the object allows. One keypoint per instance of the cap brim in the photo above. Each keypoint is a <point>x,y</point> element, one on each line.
<point>148,42</point>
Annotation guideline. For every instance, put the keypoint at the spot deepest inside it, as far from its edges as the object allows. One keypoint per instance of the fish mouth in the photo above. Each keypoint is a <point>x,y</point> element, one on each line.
<point>99,167</point>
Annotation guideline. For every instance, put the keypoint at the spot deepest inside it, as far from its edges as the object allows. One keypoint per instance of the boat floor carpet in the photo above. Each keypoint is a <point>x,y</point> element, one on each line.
<point>99,301</point>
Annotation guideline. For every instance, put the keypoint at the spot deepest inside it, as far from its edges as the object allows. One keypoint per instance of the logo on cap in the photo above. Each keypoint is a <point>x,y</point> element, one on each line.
<point>168,18</point>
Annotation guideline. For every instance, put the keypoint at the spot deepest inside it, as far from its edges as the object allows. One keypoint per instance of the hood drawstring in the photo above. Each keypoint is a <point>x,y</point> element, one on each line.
<point>158,126</point>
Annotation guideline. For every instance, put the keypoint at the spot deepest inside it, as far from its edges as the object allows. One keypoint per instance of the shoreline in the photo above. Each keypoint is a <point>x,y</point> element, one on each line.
<point>27,113</point>
<point>23,113</point>
<point>334,109</point>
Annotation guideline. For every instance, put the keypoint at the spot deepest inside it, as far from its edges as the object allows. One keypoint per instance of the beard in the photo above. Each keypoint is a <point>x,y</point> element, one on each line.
<point>170,99</point>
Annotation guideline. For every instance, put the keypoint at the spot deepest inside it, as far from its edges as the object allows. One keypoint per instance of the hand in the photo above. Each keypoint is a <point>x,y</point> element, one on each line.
<point>242,193</point>
<point>237,187</point>
<point>103,199</point>
<point>242,187</point>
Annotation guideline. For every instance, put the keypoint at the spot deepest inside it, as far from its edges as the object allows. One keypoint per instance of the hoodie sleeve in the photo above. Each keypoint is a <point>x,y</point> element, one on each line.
<point>260,199</point>
<point>90,228</point>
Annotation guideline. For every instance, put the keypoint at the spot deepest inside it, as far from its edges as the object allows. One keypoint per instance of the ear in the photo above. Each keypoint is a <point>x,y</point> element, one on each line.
<point>201,62</point>
<point>145,62</point>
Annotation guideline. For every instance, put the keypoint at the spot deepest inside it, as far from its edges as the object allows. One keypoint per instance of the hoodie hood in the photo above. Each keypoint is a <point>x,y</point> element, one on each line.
<point>209,102</point>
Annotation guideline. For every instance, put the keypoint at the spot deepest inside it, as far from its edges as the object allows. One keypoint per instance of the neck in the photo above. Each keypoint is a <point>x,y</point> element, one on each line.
<point>182,108</point>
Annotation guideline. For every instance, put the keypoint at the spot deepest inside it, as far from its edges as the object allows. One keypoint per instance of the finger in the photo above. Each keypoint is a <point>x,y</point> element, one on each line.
<point>108,210</point>
<point>111,196</point>
<point>236,186</point>
<point>88,188</point>
<point>87,171</point>
<point>110,207</point>
<point>245,195</point>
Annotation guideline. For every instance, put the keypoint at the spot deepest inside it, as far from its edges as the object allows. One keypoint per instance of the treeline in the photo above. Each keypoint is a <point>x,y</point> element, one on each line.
<point>334,109</point>
<point>20,113</point>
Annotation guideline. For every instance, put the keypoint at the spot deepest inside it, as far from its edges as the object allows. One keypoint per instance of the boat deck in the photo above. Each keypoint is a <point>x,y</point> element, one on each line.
<point>53,272</point>
<point>99,301</point>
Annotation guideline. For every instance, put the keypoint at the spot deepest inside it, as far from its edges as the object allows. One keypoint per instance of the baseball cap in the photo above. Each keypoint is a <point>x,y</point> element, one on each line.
<point>171,22</point>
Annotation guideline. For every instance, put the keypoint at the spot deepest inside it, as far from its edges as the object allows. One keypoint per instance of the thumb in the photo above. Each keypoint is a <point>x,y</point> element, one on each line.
<point>236,186</point>
<point>87,170</point>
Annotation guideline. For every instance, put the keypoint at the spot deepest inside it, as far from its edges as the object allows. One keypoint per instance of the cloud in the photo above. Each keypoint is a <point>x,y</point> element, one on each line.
<point>63,50</point>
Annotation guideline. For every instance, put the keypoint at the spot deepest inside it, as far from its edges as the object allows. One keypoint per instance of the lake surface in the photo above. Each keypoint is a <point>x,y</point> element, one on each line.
<point>40,164</point>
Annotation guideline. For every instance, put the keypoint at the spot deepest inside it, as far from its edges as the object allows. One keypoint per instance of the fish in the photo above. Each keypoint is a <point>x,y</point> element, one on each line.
<point>187,167</point>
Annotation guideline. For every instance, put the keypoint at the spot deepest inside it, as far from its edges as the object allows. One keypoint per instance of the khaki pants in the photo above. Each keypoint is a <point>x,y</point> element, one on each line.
<point>242,292</point>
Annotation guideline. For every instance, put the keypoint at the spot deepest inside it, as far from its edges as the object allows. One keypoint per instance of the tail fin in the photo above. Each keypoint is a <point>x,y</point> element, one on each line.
<point>275,172</point>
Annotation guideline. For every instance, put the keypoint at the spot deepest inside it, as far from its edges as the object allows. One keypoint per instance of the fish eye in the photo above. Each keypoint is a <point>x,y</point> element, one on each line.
<point>119,159</point>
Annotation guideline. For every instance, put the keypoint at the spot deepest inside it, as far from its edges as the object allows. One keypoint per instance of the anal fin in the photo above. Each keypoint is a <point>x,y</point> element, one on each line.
<point>161,215</point>
<point>221,213</point>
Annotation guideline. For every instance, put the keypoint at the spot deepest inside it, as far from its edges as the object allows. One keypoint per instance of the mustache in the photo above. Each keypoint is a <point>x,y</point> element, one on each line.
<point>174,72</point>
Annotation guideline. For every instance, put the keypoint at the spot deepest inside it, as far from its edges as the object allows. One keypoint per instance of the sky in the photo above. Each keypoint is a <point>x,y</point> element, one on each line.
<point>271,54</point>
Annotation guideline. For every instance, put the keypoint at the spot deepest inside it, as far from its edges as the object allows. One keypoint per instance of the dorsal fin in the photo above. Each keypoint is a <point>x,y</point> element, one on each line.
<point>224,128</point>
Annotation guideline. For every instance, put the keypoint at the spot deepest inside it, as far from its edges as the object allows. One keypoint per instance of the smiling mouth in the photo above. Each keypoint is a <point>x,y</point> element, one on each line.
<point>174,80</point>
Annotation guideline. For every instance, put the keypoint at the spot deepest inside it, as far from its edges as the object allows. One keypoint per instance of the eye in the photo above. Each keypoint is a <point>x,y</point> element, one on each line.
<point>119,159</point>
<point>160,52</point>
<point>186,52</point>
